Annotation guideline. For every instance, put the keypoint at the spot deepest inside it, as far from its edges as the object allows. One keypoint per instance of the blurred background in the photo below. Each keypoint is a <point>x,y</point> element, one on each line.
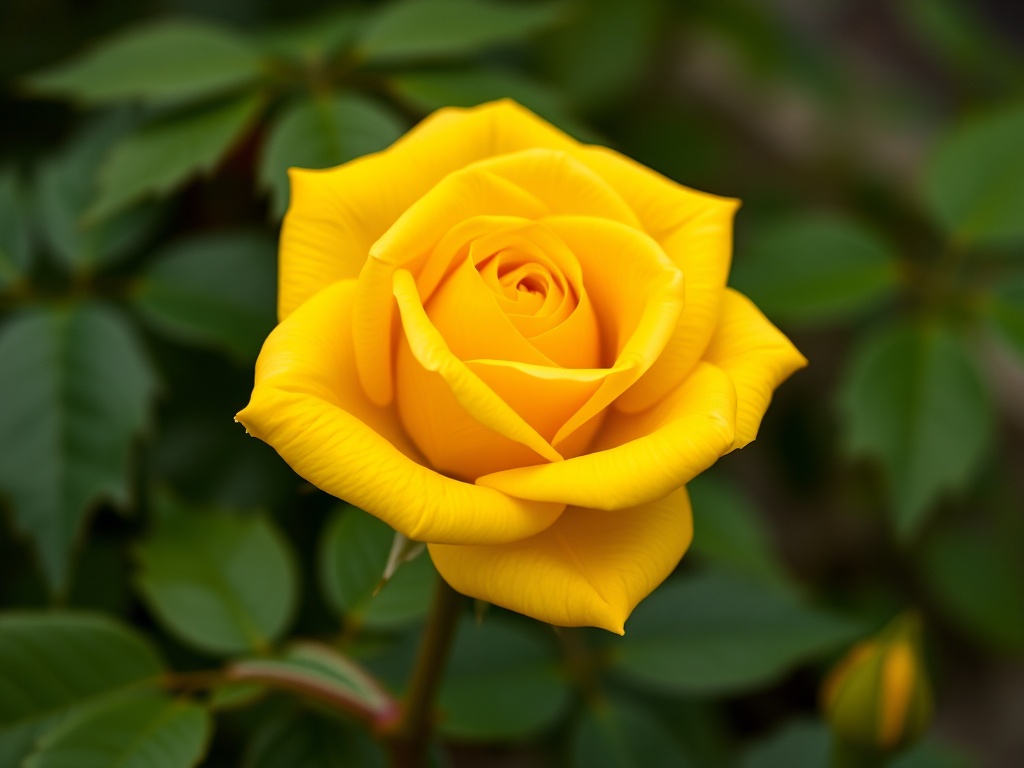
<point>878,148</point>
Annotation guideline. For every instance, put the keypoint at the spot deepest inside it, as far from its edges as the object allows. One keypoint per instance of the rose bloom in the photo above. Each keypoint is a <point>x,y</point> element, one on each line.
<point>518,349</point>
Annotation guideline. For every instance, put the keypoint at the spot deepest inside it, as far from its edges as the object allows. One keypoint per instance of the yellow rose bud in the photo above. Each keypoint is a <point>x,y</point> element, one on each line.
<point>878,697</point>
<point>518,349</point>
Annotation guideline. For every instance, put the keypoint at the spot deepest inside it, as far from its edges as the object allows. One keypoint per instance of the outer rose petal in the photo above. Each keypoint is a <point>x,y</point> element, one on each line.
<point>590,568</point>
<point>695,230</point>
<point>756,355</point>
<point>309,406</point>
<point>337,214</point>
<point>638,458</point>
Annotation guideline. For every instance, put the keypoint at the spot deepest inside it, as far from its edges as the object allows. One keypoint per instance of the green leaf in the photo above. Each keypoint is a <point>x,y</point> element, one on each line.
<point>221,582</point>
<point>77,391</point>
<point>914,399</point>
<point>353,553</point>
<point>727,530</point>
<point>957,32</point>
<point>976,578</point>
<point>142,730</point>
<point>15,243</point>
<point>816,267</point>
<point>808,744</point>
<point>799,744</point>
<point>974,182</point>
<point>322,133</point>
<point>432,89</point>
<point>53,662</point>
<point>1007,311</point>
<point>156,62</point>
<point>931,754</point>
<point>716,633</point>
<point>447,29</point>
<point>607,49</point>
<point>503,683</point>
<point>321,673</point>
<point>65,187</point>
<point>299,739</point>
<point>160,157</point>
<point>620,734</point>
<point>214,290</point>
<point>316,39</point>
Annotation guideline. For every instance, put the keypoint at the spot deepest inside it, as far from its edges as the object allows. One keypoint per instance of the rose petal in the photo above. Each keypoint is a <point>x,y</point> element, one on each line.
<point>695,231</point>
<point>590,568</point>
<point>337,214</point>
<point>461,195</point>
<point>308,405</point>
<point>459,422</point>
<point>638,458</point>
<point>637,295</point>
<point>756,355</point>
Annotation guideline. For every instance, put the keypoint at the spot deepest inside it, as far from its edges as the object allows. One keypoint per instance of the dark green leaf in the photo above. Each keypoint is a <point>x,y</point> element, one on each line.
<point>807,744</point>
<point>15,244</point>
<point>914,399</point>
<point>974,182</point>
<point>1007,311</point>
<point>606,50</point>
<point>53,662</point>
<point>503,683</point>
<point>141,730</point>
<point>159,61</point>
<point>436,29</point>
<point>223,583</point>
<point>815,267</point>
<point>77,391</point>
<point>726,529</point>
<point>799,744</point>
<point>158,158</point>
<point>353,553</point>
<point>215,290</point>
<point>956,32</point>
<point>322,133</point>
<point>66,187</point>
<point>716,633</point>
<point>298,739</point>
<point>315,40</point>
<point>931,754</point>
<point>978,580</point>
<point>320,673</point>
<point>620,734</point>
<point>433,89</point>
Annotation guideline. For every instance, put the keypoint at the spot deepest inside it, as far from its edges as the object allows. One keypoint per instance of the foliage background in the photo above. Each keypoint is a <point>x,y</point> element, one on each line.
<point>878,150</point>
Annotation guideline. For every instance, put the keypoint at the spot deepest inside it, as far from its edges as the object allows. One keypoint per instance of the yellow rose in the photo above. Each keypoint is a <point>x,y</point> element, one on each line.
<point>518,349</point>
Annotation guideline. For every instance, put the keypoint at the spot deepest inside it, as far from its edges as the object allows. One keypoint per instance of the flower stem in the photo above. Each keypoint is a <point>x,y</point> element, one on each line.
<point>410,740</point>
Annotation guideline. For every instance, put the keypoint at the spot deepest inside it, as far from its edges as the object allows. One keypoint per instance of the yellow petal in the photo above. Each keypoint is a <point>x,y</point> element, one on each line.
<point>544,396</point>
<point>637,458</point>
<point>308,405</point>
<point>695,231</point>
<point>337,214</point>
<point>590,568</point>
<point>406,245</point>
<point>455,419</point>
<point>756,355</point>
<point>637,295</point>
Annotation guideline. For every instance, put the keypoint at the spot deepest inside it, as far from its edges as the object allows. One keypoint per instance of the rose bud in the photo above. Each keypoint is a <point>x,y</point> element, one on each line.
<point>878,696</point>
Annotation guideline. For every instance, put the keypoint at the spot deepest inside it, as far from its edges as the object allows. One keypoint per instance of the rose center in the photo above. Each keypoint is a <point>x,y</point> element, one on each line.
<point>525,282</point>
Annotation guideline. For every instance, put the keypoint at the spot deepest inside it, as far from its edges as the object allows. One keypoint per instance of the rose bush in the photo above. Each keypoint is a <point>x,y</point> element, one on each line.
<point>518,349</point>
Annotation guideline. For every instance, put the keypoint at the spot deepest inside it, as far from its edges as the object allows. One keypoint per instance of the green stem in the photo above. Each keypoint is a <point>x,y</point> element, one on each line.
<point>410,740</point>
